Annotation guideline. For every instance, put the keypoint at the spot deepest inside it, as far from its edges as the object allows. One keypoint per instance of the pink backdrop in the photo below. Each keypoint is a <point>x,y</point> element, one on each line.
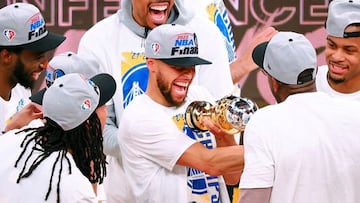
<point>73,17</point>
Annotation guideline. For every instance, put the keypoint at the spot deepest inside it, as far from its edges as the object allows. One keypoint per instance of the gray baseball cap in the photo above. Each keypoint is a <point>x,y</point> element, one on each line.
<point>341,14</point>
<point>73,98</point>
<point>286,56</point>
<point>65,63</point>
<point>22,25</point>
<point>175,45</point>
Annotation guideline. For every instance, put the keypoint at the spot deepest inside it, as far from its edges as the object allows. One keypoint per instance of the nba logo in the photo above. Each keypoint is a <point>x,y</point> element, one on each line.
<point>86,105</point>
<point>9,34</point>
<point>155,47</point>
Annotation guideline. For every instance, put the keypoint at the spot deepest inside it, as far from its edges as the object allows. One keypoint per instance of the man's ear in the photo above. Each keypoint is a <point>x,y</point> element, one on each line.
<point>150,64</point>
<point>5,55</point>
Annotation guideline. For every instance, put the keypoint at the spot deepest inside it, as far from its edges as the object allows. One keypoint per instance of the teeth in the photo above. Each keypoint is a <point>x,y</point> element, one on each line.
<point>337,66</point>
<point>159,8</point>
<point>182,84</point>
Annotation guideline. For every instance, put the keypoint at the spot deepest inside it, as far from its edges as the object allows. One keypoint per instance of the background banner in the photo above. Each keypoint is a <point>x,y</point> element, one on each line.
<point>247,17</point>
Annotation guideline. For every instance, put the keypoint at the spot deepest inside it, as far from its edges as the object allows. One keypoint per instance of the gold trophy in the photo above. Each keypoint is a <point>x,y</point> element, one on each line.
<point>230,113</point>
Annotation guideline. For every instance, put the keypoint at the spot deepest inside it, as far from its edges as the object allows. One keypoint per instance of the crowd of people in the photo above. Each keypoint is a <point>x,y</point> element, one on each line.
<point>112,115</point>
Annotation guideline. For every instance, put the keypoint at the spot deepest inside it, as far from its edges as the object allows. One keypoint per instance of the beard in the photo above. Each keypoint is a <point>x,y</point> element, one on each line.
<point>166,92</point>
<point>334,80</point>
<point>21,76</point>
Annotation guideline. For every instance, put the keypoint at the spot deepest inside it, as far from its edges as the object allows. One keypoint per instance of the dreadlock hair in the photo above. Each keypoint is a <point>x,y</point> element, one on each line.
<point>84,143</point>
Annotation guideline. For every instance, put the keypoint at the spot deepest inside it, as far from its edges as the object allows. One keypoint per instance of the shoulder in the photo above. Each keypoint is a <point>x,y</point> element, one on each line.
<point>202,25</point>
<point>321,77</point>
<point>197,92</point>
<point>110,20</point>
<point>322,72</point>
<point>102,28</point>
<point>140,108</point>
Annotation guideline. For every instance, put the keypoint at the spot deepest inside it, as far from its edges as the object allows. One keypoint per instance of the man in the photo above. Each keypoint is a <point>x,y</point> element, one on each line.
<point>341,75</point>
<point>23,45</point>
<point>305,148</point>
<point>117,42</point>
<point>58,160</point>
<point>59,65</point>
<point>156,144</point>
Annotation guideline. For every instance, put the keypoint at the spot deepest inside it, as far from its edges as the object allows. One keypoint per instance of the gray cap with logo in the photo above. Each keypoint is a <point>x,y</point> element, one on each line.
<point>22,25</point>
<point>73,98</point>
<point>286,56</point>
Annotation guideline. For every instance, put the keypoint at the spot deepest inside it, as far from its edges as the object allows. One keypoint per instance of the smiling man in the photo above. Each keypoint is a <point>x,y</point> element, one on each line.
<point>341,76</point>
<point>24,42</point>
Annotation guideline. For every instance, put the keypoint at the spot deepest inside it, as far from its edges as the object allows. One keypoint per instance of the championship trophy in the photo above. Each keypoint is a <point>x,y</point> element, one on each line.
<point>230,113</point>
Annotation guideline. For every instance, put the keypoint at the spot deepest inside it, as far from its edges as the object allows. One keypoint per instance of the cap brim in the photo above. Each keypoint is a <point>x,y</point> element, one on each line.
<point>38,96</point>
<point>258,54</point>
<point>107,86</point>
<point>47,43</point>
<point>186,61</point>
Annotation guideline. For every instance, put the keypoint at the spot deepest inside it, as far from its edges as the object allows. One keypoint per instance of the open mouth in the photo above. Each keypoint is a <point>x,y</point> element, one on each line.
<point>159,13</point>
<point>180,88</point>
<point>337,69</point>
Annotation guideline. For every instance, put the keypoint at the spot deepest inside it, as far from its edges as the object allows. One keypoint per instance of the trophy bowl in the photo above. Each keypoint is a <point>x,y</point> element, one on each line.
<point>230,113</point>
<point>239,112</point>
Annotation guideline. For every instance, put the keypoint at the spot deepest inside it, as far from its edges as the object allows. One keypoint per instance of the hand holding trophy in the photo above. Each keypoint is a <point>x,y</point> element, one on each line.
<point>230,113</point>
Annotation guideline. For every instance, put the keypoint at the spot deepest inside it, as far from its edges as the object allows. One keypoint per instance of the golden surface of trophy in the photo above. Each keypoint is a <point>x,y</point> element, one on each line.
<point>230,113</point>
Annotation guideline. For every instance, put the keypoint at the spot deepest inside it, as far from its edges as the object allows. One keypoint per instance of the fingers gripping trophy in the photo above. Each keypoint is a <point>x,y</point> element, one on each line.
<point>231,113</point>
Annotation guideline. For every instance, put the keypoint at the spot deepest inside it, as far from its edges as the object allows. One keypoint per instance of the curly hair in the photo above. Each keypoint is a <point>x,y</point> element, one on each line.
<point>84,143</point>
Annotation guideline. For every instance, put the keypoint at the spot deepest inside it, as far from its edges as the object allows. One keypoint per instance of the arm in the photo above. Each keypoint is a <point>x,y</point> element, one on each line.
<point>244,64</point>
<point>30,112</point>
<point>258,195</point>
<point>111,145</point>
<point>222,140</point>
<point>218,161</point>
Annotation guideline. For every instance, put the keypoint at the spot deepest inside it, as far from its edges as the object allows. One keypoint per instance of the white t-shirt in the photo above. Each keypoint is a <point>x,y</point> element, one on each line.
<point>19,98</point>
<point>74,187</point>
<point>306,148</point>
<point>323,85</point>
<point>152,137</point>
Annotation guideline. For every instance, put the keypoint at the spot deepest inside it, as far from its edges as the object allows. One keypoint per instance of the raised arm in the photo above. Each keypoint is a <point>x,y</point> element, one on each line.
<point>244,63</point>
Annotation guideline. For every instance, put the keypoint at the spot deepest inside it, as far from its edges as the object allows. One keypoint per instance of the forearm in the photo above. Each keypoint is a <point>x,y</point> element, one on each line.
<point>228,140</point>
<point>241,67</point>
<point>245,64</point>
<point>22,118</point>
<point>110,143</point>
<point>228,156</point>
<point>229,161</point>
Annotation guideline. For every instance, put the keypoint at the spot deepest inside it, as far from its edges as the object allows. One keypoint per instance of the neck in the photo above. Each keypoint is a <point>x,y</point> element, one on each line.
<point>288,90</point>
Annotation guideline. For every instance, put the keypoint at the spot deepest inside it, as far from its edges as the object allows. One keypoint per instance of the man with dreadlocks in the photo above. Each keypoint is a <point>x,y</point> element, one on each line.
<point>59,159</point>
